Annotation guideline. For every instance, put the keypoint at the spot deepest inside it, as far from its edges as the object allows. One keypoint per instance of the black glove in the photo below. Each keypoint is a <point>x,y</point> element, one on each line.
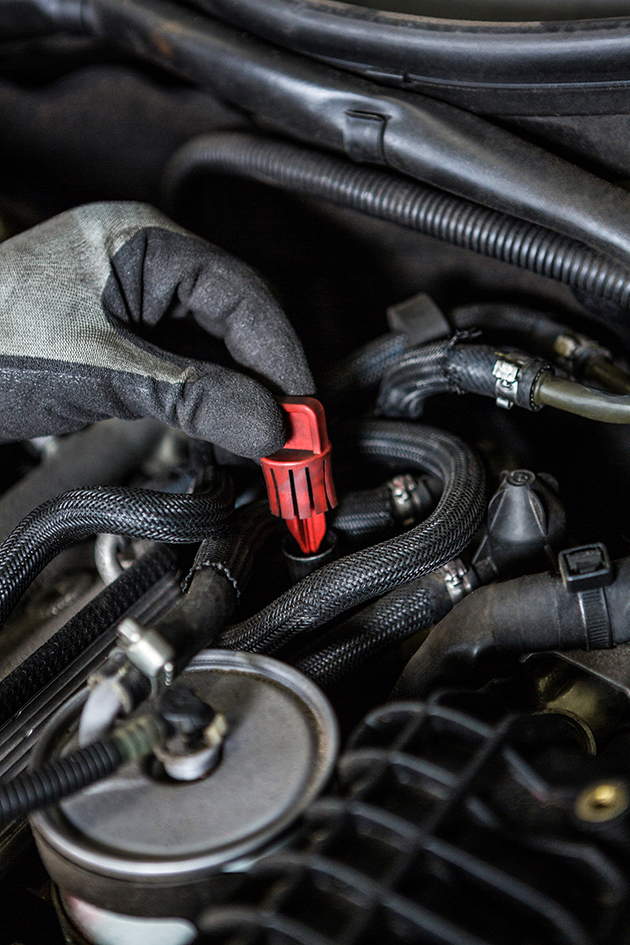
<point>75,289</point>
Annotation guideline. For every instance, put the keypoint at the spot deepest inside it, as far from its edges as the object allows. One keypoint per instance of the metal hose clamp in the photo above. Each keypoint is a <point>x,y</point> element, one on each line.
<point>408,506</point>
<point>516,378</point>
<point>506,370</point>
<point>148,652</point>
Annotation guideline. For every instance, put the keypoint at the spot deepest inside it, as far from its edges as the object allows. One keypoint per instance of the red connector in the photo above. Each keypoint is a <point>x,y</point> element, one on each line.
<point>298,477</point>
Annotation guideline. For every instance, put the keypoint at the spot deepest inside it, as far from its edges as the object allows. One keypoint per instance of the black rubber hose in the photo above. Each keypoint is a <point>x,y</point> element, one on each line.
<point>374,571</point>
<point>415,206</point>
<point>449,52</point>
<point>101,614</point>
<point>219,573</point>
<point>539,332</point>
<point>525,615</point>
<point>136,513</point>
<point>26,19</point>
<point>106,453</point>
<point>366,512</point>
<point>363,369</point>
<point>376,629</point>
<point>513,539</point>
<point>447,367</point>
<point>535,330</point>
<point>231,550</point>
<point>372,511</point>
<point>428,140</point>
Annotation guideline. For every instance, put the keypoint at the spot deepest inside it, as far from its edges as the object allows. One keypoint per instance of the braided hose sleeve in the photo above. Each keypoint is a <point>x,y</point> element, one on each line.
<point>364,368</point>
<point>374,571</point>
<point>136,513</point>
<point>436,369</point>
<point>398,199</point>
<point>364,513</point>
<point>379,627</point>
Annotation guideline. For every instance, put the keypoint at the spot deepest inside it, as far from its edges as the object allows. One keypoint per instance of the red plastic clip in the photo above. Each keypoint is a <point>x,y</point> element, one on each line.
<point>298,477</point>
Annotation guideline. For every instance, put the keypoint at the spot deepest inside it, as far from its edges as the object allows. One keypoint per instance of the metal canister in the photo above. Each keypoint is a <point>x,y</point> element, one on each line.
<point>141,845</point>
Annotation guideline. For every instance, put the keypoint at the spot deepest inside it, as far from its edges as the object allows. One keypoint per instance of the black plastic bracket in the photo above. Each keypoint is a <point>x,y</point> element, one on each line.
<point>419,318</point>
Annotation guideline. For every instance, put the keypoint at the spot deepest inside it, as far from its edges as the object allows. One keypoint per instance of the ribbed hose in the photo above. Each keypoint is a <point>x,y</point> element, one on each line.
<point>136,513</point>
<point>33,790</point>
<point>375,629</point>
<point>416,206</point>
<point>372,572</point>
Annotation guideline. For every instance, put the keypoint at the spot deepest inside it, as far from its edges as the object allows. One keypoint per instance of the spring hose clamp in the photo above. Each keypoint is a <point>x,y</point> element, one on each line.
<point>405,499</point>
<point>456,577</point>
<point>299,477</point>
<point>506,371</point>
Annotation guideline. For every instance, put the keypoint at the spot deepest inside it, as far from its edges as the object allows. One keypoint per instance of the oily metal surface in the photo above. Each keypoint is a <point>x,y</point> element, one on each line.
<point>280,748</point>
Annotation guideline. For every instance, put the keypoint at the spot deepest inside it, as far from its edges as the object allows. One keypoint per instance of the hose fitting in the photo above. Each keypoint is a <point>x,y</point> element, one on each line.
<point>583,607</point>
<point>450,367</point>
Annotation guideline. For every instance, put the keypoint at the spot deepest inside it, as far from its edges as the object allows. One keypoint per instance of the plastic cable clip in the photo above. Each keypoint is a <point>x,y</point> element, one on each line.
<point>586,571</point>
<point>585,567</point>
<point>299,477</point>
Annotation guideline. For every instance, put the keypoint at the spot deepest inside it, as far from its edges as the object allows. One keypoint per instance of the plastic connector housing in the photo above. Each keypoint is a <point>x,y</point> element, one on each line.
<point>299,476</point>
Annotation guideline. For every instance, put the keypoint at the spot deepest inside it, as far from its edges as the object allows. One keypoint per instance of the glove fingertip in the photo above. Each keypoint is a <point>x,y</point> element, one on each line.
<point>233,411</point>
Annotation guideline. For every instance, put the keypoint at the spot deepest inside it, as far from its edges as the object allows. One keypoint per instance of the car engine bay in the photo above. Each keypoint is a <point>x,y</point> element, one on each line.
<point>371,687</point>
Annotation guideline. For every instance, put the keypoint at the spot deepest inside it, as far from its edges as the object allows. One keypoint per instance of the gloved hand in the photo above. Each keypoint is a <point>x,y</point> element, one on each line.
<point>75,289</point>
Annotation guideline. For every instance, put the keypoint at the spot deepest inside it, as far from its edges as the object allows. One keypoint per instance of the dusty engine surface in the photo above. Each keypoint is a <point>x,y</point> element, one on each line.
<point>361,677</point>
